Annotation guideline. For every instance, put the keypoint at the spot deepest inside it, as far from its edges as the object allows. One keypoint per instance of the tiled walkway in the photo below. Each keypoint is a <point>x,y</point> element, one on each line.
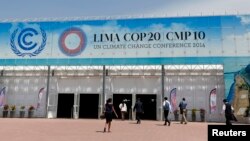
<point>92,130</point>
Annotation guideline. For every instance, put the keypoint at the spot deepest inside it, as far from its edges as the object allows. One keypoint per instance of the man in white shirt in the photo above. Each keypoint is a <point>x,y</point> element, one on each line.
<point>123,108</point>
<point>228,109</point>
<point>167,109</point>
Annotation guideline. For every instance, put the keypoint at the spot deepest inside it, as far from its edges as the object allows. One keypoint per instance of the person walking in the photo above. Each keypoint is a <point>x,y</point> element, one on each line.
<point>183,110</point>
<point>139,110</point>
<point>109,109</point>
<point>228,110</point>
<point>123,109</point>
<point>167,109</point>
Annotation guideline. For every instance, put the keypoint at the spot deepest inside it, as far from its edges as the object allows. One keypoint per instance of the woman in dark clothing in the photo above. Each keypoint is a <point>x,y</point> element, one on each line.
<point>109,109</point>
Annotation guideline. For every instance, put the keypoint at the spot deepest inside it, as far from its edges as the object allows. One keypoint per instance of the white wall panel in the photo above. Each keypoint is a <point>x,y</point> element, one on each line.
<point>23,91</point>
<point>196,90</point>
<point>80,85</point>
<point>136,85</point>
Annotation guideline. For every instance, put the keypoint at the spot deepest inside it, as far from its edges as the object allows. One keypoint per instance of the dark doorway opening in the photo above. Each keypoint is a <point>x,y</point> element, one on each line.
<point>117,99</point>
<point>65,105</point>
<point>88,105</point>
<point>149,105</point>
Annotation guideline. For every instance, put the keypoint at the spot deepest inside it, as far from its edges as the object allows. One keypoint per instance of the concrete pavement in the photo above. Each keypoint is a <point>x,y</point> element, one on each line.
<point>16,129</point>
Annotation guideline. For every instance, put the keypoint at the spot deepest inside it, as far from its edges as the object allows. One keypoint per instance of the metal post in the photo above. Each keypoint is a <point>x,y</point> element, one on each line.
<point>162,81</point>
<point>76,105</point>
<point>103,86</point>
<point>47,92</point>
<point>162,89</point>
<point>132,105</point>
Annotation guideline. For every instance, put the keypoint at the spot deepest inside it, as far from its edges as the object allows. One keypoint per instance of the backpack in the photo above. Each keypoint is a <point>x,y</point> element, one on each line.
<point>228,109</point>
<point>183,105</point>
<point>166,106</point>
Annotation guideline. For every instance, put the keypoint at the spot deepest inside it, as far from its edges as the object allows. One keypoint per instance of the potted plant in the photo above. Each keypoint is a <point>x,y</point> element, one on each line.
<point>247,112</point>
<point>31,111</point>
<point>194,114</point>
<point>22,111</point>
<point>176,115</point>
<point>243,86</point>
<point>5,110</point>
<point>202,114</point>
<point>12,111</point>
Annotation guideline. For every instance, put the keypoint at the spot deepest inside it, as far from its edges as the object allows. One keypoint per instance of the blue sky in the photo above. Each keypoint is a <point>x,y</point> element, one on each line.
<point>23,9</point>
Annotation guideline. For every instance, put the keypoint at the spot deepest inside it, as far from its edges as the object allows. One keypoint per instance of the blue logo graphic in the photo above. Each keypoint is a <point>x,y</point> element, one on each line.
<point>25,45</point>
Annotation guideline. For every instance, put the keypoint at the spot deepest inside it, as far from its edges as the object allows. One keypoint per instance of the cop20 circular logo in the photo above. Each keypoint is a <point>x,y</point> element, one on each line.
<point>28,41</point>
<point>72,41</point>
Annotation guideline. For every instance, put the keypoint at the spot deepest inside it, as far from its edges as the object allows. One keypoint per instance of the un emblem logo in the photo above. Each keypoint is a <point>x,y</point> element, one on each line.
<point>72,41</point>
<point>28,41</point>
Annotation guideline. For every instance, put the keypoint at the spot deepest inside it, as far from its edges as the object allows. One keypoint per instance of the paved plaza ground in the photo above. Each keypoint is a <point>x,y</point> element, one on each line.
<point>16,129</point>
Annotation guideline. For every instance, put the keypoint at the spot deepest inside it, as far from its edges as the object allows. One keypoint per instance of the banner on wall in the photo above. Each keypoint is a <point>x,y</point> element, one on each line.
<point>40,94</point>
<point>2,96</point>
<point>173,99</point>
<point>126,41</point>
<point>212,101</point>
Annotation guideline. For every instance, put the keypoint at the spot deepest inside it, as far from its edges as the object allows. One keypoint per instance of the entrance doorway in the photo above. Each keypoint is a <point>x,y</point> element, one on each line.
<point>117,99</point>
<point>65,105</point>
<point>149,105</point>
<point>88,105</point>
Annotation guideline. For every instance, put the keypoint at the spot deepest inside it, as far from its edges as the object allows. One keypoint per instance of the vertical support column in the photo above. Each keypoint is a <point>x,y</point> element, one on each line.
<point>103,87</point>
<point>132,105</point>
<point>162,90</point>
<point>76,106</point>
<point>47,91</point>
